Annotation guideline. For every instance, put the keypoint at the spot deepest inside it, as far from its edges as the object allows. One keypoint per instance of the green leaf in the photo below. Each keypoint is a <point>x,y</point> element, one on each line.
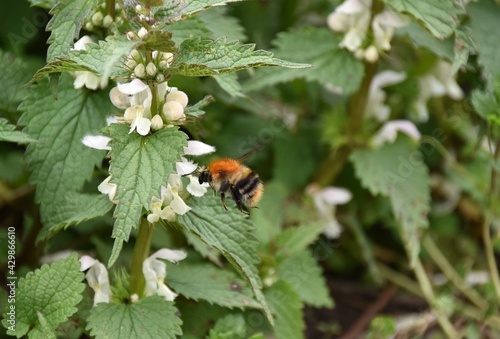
<point>397,171</point>
<point>422,38</point>
<point>231,234</point>
<point>485,19</point>
<point>53,291</point>
<point>176,10</point>
<point>47,4</point>
<point>139,166</point>
<point>14,74</point>
<point>318,47</point>
<point>439,17</point>
<point>229,83</point>
<point>296,239</point>
<point>65,25</point>
<point>232,326</point>
<point>8,133</point>
<point>196,110</point>
<point>302,272</point>
<point>60,163</point>
<point>206,282</point>
<point>76,208</point>
<point>151,317</point>
<point>286,305</point>
<point>203,57</point>
<point>104,59</point>
<point>186,29</point>
<point>486,105</point>
<point>222,25</point>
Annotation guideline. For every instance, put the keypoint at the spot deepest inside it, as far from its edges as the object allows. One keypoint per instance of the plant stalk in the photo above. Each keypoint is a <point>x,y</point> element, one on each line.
<point>452,274</point>
<point>110,8</point>
<point>141,252</point>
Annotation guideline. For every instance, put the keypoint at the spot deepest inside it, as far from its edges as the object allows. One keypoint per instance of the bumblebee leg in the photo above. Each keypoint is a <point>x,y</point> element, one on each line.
<point>224,187</point>
<point>223,200</point>
<point>238,198</point>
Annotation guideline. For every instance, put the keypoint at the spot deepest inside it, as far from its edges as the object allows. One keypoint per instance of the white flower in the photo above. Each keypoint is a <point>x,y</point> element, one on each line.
<point>106,187</point>
<point>326,200</point>
<point>384,24</point>
<point>439,82</point>
<point>194,187</point>
<point>97,142</point>
<point>375,105</point>
<point>134,87</point>
<point>353,18</point>
<point>389,132</point>
<point>85,78</point>
<point>155,272</point>
<point>141,124</point>
<point>97,278</point>
<point>170,204</point>
<point>151,69</point>
<point>142,32</point>
<point>185,166</point>
<point>196,147</point>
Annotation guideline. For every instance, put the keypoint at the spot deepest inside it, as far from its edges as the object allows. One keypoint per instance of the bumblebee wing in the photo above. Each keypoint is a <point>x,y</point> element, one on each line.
<point>256,148</point>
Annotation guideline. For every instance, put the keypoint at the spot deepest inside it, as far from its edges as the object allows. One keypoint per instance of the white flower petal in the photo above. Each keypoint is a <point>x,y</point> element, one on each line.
<point>86,262</point>
<point>335,195</point>
<point>97,142</point>
<point>179,206</point>
<point>185,166</point>
<point>175,183</point>
<point>107,188</point>
<point>388,132</point>
<point>113,119</point>
<point>333,229</point>
<point>168,214</point>
<point>98,280</point>
<point>80,44</point>
<point>196,147</point>
<point>142,125</point>
<point>119,99</point>
<point>194,187</point>
<point>174,256</point>
<point>133,87</point>
<point>165,292</point>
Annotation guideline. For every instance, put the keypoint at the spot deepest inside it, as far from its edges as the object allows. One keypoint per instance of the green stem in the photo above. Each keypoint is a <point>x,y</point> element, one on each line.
<point>336,160</point>
<point>141,252</point>
<point>488,246</point>
<point>425,285</point>
<point>110,8</point>
<point>411,286</point>
<point>452,275</point>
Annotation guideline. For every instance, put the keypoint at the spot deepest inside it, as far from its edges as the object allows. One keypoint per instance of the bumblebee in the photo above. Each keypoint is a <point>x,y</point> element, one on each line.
<point>230,176</point>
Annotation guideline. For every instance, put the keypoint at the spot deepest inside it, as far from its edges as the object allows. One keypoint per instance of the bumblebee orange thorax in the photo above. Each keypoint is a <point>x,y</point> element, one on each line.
<point>221,168</point>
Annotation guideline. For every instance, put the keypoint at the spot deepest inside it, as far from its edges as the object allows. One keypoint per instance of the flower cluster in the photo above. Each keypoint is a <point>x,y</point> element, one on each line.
<point>135,98</point>
<point>154,270</point>
<point>353,19</point>
<point>170,203</point>
<point>101,19</point>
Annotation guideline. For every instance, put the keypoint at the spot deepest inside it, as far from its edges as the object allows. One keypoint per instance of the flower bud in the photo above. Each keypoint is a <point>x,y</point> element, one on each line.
<point>151,69</point>
<point>131,35</point>
<point>371,54</point>
<point>138,8</point>
<point>107,21</point>
<point>142,32</point>
<point>163,64</point>
<point>157,123</point>
<point>119,21</point>
<point>140,71</point>
<point>97,19</point>
<point>172,110</point>
<point>160,77</point>
<point>135,54</point>
<point>178,96</point>
<point>89,26</point>
<point>131,63</point>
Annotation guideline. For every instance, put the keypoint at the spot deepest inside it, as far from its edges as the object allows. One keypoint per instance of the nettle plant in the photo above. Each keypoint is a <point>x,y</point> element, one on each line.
<point>107,96</point>
<point>103,115</point>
